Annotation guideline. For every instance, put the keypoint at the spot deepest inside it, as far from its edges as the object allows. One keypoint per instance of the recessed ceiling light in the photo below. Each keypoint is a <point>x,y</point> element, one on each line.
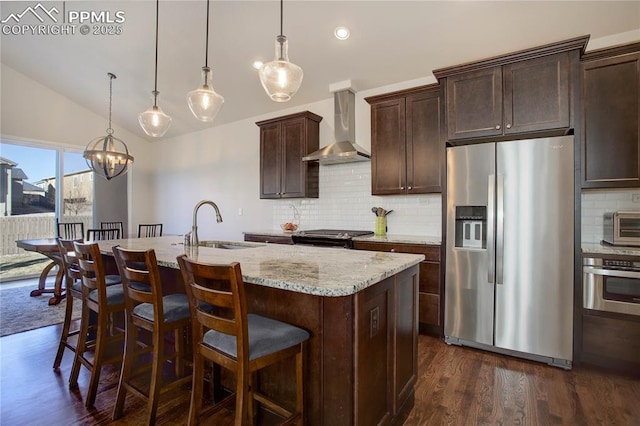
<point>257,64</point>
<point>342,33</point>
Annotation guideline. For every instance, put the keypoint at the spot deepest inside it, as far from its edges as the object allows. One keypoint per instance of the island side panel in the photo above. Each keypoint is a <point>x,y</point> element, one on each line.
<point>305,311</point>
<point>406,325</point>
<point>386,330</point>
<point>338,360</point>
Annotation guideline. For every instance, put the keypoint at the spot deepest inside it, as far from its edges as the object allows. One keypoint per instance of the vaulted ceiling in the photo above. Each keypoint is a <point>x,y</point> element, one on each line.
<point>391,42</point>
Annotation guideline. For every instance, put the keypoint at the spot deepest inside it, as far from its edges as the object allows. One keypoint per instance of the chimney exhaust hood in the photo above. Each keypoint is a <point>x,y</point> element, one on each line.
<point>344,149</point>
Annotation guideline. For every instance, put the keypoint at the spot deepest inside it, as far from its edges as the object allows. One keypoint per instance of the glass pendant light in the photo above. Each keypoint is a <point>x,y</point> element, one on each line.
<point>154,121</point>
<point>108,156</point>
<point>204,102</point>
<point>280,78</point>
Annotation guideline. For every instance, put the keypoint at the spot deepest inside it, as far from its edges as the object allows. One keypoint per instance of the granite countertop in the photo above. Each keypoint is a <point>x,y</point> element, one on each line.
<point>595,248</point>
<point>401,239</point>
<point>319,271</point>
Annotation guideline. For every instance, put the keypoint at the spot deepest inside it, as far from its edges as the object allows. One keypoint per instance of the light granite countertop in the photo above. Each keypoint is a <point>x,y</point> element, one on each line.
<point>319,271</point>
<point>594,248</point>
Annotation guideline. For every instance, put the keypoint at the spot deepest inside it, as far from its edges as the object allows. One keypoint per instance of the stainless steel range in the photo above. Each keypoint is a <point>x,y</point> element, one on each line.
<point>328,237</point>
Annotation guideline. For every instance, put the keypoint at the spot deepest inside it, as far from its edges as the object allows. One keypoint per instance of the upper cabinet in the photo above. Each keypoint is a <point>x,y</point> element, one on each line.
<point>283,143</point>
<point>407,148</point>
<point>524,92</point>
<point>611,117</point>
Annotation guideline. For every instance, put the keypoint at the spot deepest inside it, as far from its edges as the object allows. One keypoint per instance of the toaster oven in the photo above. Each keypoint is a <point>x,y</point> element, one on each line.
<point>622,228</point>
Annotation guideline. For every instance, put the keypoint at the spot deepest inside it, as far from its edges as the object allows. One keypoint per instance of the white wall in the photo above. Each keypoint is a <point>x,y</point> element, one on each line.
<point>56,119</point>
<point>222,164</point>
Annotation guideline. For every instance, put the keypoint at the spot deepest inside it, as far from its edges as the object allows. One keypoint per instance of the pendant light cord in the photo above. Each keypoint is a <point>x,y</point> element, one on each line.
<point>155,87</point>
<point>206,48</point>
<point>281,37</point>
<point>281,19</point>
<point>111,77</point>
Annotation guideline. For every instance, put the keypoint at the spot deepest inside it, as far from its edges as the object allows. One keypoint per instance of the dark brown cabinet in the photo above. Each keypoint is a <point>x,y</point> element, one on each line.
<point>611,117</point>
<point>407,149</point>
<point>269,238</point>
<point>611,341</point>
<point>523,92</point>
<point>283,143</point>
<point>429,301</point>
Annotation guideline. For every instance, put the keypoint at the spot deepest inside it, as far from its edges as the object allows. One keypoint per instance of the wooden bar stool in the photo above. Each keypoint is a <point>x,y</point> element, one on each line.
<point>73,290</point>
<point>243,343</point>
<point>112,225</point>
<point>146,230</point>
<point>103,234</point>
<point>148,309</point>
<point>70,230</point>
<point>105,301</point>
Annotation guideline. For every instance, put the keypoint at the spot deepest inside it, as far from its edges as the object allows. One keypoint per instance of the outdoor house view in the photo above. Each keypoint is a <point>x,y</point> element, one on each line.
<point>29,200</point>
<point>319,212</point>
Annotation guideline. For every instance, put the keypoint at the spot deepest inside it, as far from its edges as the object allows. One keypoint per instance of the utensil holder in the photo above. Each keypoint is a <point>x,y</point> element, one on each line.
<point>381,226</point>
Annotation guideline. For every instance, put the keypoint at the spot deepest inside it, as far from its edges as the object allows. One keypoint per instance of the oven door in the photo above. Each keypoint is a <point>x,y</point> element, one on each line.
<point>609,289</point>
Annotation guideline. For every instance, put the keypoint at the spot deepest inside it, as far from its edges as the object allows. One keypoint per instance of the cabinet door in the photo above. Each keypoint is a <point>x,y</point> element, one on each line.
<point>388,158</point>
<point>270,161</point>
<point>611,122</point>
<point>536,94</point>
<point>474,104</point>
<point>294,148</point>
<point>425,147</point>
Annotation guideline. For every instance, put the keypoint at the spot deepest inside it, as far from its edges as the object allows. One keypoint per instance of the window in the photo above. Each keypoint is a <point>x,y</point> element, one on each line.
<point>39,183</point>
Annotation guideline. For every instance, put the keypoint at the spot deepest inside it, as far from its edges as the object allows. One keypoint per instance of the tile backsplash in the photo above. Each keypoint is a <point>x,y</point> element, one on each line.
<point>345,202</point>
<point>595,203</point>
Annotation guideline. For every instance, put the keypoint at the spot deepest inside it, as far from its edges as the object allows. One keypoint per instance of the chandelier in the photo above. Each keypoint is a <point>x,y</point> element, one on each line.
<point>108,156</point>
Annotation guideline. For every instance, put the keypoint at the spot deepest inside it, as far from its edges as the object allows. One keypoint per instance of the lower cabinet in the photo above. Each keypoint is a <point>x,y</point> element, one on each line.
<point>429,300</point>
<point>269,238</point>
<point>611,341</point>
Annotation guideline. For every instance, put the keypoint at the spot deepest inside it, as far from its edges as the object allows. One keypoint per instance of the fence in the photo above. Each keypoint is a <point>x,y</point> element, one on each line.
<point>31,226</point>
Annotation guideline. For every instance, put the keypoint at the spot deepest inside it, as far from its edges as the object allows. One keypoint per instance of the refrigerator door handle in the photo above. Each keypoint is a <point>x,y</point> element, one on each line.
<point>499,229</point>
<point>490,225</point>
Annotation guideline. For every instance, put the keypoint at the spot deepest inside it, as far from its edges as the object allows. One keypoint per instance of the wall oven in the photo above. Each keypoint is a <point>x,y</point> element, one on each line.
<point>612,284</point>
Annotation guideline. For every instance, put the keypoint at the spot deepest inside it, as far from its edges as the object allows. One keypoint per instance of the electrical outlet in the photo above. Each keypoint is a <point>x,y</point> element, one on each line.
<point>374,322</point>
<point>635,198</point>
<point>239,211</point>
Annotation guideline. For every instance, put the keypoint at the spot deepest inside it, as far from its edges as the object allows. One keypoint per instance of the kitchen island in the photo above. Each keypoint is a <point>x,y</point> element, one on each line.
<point>359,306</point>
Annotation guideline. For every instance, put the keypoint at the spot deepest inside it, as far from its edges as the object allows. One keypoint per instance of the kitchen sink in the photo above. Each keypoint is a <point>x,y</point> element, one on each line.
<point>228,245</point>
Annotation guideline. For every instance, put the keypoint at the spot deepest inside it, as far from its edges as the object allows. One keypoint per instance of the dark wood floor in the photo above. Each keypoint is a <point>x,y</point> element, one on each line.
<point>457,386</point>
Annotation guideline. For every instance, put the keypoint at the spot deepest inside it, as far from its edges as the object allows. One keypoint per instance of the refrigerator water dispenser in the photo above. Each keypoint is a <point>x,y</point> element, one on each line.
<point>471,227</point>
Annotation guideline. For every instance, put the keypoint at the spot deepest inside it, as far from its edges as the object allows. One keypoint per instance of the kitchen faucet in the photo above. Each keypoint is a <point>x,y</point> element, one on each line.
<point>194,229</point>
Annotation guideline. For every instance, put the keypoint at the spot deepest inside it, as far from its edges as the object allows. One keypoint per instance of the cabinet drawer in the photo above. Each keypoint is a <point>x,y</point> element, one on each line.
<point>429,309</point>
<point>432,253</point>
<point>275,239</point>
<point>611,342</point>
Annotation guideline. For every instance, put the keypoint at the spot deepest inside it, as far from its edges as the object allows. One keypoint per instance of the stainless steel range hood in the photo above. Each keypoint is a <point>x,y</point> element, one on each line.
<point>344,149</point>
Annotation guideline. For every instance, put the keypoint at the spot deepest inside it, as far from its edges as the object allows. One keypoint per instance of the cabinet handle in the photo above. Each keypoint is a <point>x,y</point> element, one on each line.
<point>410,187</point>
<point>497,127</point>
<point>393,250</point>
<point>402,187</point>
<point>508,126</point>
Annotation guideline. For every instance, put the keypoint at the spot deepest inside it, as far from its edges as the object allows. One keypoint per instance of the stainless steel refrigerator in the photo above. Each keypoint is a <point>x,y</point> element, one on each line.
<point>509,248</point>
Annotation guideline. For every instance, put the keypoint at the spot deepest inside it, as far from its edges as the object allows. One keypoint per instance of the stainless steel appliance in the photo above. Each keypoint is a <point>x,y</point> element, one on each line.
<point>328,237</point>
<point>512,291</point>
<point>612,284</point>
<point>622,228</point>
